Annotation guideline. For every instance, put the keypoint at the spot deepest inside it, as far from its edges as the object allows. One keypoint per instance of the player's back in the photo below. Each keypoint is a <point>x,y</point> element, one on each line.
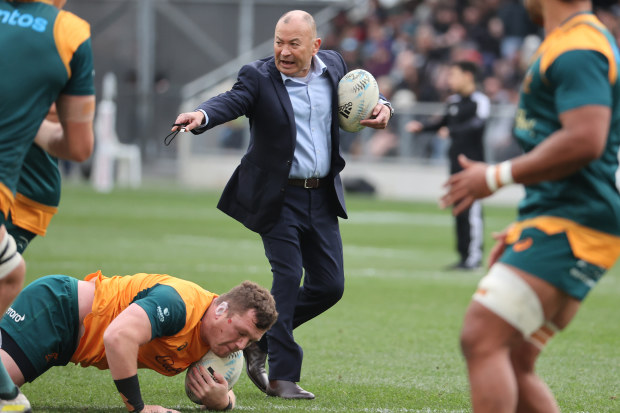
<point>42,49</point>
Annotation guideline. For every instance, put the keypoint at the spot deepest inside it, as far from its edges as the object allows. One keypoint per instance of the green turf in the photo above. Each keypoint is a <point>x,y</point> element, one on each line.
<point>390,345</point>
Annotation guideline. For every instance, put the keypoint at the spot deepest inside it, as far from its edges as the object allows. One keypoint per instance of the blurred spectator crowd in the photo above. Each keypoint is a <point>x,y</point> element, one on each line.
<point>408,47</point>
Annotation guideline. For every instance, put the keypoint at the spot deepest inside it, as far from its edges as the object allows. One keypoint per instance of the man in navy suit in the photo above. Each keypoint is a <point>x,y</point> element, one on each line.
<point>287,187</point>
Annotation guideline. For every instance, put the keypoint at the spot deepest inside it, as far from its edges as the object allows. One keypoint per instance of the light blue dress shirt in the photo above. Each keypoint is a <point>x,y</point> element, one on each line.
<point>311,98</point>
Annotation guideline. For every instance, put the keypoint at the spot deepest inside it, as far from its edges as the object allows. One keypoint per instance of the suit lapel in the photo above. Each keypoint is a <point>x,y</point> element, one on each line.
<point>333,73</point>
<point>282,94</point>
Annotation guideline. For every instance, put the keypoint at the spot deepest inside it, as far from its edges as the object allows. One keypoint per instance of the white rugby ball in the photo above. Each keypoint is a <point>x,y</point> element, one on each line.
<point>358,94</point>
<point>230,367</point>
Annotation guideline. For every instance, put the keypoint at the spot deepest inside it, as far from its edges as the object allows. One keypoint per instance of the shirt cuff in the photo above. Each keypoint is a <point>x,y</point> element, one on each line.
<point>203,124</point>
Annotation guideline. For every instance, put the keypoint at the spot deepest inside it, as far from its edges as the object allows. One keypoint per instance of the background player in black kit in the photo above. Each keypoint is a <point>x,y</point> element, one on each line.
<point>463,122</point>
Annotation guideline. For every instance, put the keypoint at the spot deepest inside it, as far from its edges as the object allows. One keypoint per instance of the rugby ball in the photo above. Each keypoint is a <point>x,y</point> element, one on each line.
<point>230,367</point>
<point>358,94</point>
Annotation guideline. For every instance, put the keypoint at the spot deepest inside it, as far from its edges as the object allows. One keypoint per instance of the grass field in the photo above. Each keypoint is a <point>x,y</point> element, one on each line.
<point>390,345</point>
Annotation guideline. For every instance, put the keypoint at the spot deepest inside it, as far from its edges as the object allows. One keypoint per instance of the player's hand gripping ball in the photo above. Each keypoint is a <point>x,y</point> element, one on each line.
<point>230,367</point>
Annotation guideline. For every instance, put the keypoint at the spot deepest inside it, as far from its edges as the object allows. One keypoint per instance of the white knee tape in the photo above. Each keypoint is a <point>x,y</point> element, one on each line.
<point>9,257</point>
<point>510,297</point>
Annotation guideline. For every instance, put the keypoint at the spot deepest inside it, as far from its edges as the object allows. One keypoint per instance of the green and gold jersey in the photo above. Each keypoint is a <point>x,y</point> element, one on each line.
<point>45,52</point>
<point>576,65</point>
<point>38,192</point>
<point>174,306</point>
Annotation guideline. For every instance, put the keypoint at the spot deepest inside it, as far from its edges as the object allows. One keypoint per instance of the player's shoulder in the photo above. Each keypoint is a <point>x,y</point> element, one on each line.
<point>70,33</point>
<point>71,25</point>
<point>581,37</point>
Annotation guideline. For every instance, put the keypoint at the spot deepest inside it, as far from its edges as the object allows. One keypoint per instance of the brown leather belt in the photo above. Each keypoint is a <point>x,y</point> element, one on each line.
<point>308,183</point>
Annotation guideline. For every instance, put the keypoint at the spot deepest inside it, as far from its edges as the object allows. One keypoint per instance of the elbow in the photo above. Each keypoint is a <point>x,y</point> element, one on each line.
<point>590,153</point>
<point>82,150</point>
<point>82,154</point>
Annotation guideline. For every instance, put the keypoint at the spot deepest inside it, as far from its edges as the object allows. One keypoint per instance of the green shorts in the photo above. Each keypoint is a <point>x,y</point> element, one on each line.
<point>551,258</point>
<point>44,322</point>
<point>21,236</point>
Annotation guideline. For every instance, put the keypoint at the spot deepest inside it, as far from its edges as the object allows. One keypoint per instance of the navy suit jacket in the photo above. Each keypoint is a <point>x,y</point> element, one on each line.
<point>255,193</point>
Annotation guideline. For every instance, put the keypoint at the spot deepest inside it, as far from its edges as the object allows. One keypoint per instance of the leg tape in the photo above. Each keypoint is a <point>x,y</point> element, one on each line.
<point>506,294</point>
<point>9,257</point>
<point>541,337</point>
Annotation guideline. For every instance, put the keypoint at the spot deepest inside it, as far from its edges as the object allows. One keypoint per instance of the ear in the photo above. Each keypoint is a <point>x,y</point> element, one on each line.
<point>221,308</point>
<point>316,46</point>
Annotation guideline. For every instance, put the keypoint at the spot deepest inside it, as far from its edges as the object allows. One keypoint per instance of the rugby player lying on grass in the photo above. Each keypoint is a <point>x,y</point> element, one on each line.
<point>123,323</point>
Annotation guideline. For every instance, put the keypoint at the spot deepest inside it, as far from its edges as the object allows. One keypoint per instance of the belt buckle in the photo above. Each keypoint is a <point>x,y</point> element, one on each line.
<point>308,185</point>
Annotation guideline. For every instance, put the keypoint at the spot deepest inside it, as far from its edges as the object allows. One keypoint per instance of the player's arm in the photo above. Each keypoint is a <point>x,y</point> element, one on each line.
<point>581,140</point>
<point>50,127</point>
<point>122,339</point>
<point>49,130</point>
<point>76,114</point>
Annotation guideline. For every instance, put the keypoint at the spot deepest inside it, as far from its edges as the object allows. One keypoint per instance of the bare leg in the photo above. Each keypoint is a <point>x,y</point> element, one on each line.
<point>500,365</point>
<point>12,368</point>
<point>12,283</point>
<point>485,341</point>
<point>13,271</point>
<point>534,395</point>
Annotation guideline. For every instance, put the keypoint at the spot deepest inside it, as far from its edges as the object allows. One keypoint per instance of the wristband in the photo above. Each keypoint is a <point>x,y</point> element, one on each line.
<point>491,178</point>
<point>505,173</point>
<point>129,389</point>
<point>499,175</point>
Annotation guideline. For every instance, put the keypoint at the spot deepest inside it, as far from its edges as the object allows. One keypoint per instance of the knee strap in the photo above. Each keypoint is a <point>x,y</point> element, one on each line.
<point>511,298</point>
<point>541,337</point>
<point>9,257</point>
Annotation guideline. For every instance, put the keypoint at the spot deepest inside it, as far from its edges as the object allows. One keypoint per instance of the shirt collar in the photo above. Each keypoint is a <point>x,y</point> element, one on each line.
<point>316,69</point>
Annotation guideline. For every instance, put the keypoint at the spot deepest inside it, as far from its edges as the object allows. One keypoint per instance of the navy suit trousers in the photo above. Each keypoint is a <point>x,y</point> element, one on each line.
<point>306,237</point>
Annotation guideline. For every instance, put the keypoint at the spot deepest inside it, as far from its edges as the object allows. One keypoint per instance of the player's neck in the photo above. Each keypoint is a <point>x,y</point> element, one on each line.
<point>557,12</point>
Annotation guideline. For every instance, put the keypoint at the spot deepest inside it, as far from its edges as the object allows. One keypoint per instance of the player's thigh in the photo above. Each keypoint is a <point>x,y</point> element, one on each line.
<point>484,331</point>
<point>554,302</point>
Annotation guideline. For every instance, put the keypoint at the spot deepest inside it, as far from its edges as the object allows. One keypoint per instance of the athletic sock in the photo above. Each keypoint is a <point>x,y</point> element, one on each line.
<point>8,389</point>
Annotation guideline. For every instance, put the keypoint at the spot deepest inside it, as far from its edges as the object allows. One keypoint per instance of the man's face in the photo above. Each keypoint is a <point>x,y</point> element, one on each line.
<point>293,47</point>
<point>534,9</point>
<point>457,79</point>
<point>233,333</point>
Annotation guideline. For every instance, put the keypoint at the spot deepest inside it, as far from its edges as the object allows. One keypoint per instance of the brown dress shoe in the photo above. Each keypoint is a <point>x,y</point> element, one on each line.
<point>255,359</point>
<point>287,390</point>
